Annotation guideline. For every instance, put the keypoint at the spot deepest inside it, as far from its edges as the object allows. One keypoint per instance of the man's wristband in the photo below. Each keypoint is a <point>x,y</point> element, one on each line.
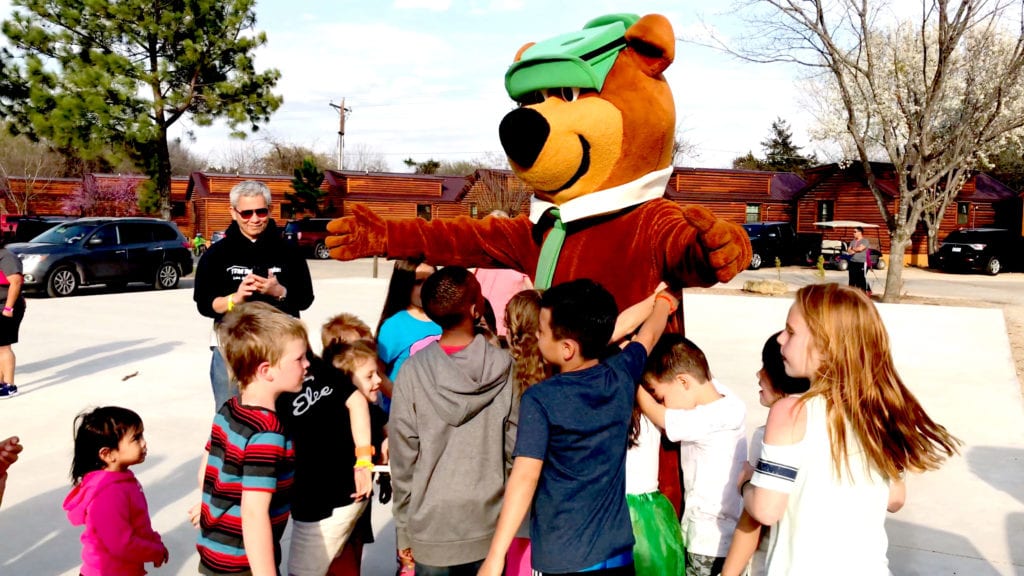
<point>363,463</point>
<point>8,309</point>
<point>231,302</point>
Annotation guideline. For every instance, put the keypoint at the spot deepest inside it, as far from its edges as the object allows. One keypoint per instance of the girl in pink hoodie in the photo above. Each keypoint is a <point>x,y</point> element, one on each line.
<point>107,499</point>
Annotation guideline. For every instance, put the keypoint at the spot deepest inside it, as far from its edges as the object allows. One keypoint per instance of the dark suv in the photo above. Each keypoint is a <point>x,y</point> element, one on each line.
<point>771,240</point>
<point>309,234</point>
<point>984,249</point>
<point>112,251</point>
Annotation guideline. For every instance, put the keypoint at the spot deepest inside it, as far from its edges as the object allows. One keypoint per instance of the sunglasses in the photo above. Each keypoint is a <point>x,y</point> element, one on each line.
<point>247,214</point>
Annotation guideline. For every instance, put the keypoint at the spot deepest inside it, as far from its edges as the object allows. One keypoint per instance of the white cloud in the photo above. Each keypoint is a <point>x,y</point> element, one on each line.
<point>424,78</point>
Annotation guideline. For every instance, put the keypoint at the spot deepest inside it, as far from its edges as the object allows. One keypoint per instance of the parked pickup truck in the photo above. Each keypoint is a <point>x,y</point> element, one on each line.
<point>771,240</point>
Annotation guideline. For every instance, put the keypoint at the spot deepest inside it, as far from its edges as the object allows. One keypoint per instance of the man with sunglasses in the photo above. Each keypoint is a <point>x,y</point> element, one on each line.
<point>251,264</point>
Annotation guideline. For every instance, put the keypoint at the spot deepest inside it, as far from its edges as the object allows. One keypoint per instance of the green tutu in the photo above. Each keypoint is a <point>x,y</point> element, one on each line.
<point>659,547</point>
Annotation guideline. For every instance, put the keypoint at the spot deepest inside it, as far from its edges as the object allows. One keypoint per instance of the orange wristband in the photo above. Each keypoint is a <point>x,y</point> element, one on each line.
<point>672,306</point>
<point>365,451</point>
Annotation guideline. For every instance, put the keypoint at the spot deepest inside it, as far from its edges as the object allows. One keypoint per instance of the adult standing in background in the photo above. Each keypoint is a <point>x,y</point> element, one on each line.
<point>858,252</point>
<point>10,318</point>
<point>251,264</point>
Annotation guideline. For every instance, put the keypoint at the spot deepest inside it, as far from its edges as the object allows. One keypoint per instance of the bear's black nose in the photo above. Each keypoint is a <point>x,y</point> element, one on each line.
<point>523,133</point>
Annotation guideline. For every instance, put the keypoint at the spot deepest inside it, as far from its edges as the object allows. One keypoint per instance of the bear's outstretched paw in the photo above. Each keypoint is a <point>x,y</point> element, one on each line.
<point>360,235</point>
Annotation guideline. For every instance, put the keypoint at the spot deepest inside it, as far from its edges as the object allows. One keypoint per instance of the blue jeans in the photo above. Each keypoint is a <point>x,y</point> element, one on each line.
<point>219,379</point>
<point>469,569</point>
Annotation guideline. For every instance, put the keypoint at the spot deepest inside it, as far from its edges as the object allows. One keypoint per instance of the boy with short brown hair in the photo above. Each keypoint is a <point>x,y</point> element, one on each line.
<point>247,471</point>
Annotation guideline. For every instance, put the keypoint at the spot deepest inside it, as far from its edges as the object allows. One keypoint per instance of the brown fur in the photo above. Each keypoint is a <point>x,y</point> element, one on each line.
<point>630,127</point>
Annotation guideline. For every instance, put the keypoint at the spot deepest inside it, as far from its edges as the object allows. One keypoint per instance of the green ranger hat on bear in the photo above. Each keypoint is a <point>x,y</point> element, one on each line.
<point>580,59</point>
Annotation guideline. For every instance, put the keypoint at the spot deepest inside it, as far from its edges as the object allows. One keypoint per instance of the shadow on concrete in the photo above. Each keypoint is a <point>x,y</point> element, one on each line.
<point>52,361</point>
<point>379,557</point>
<point>1003,468</point>
<point>38,547</point>
<point>97,364</point>
<point>925,551</point>
<point>166,494</point>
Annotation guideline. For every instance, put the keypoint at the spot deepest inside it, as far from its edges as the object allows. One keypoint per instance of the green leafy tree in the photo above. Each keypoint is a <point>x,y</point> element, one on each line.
<point>308,197</point>
<point>748,162</point>
<point>430,166</point>
<point>780,153</point>
<point>111,76</point>
<point>1007,165</point>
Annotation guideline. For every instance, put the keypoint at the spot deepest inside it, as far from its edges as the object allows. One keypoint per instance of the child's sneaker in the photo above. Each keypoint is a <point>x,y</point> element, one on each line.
<point>7,390</point>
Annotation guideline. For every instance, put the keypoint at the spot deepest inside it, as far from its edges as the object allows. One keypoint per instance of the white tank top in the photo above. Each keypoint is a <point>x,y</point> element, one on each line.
<point>831,525</point>
<point>642,460</point>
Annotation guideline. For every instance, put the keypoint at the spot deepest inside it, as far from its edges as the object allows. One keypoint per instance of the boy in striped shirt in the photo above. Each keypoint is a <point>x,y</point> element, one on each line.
<point>247,471</point>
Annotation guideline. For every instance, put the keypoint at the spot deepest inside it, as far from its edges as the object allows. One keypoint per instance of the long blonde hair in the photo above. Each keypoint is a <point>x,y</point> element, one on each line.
<point>858,380</point>
<point>522,320</point>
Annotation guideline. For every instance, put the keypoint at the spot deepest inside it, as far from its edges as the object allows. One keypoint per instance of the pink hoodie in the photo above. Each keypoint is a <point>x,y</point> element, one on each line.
<point>118,538</point>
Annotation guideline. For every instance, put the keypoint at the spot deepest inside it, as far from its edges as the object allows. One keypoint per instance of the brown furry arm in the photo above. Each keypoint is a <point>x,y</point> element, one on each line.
<point>463,241</point>
<point>699,249</point>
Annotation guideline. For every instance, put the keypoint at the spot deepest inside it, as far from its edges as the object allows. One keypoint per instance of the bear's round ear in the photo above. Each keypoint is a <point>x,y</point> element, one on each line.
<point>654,43</point>
<point>519,55</point>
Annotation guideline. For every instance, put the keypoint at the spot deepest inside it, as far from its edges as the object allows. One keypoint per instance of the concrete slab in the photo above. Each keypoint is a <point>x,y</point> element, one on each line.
<point>148,351</point>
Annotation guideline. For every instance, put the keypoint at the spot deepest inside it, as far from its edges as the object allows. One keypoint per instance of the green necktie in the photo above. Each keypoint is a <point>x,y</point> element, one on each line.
<point>549,252</point>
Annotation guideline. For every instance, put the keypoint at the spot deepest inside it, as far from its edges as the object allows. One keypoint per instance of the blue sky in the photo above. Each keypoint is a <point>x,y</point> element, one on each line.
<point>424,78</point>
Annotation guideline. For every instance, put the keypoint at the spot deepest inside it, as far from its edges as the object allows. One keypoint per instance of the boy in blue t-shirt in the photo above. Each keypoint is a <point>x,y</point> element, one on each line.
<point>573,431</point>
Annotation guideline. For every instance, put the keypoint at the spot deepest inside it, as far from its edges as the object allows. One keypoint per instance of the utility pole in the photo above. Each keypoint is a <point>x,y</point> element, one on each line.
<point>342,112</point>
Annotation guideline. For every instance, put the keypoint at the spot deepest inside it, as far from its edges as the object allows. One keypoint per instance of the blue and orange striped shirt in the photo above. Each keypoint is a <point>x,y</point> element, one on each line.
<point>248,450</point>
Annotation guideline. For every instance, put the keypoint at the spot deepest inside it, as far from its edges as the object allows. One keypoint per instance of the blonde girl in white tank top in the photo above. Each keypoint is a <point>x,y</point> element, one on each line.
<point>831,459</point>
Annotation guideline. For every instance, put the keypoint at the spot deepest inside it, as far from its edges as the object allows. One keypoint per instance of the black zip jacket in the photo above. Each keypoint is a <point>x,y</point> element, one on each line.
<point>223,267</point>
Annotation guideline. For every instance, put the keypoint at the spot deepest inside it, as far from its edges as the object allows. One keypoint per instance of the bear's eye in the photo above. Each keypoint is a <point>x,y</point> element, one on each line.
<point>565,93</point>
<point>530,98</point>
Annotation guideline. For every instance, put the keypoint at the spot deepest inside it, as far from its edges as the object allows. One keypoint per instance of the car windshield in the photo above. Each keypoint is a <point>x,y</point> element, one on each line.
<point>65,233</point>
<point>753,231</point>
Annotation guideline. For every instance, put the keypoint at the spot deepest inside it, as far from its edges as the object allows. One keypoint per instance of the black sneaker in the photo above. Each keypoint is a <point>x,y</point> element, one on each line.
<point>7,390</point>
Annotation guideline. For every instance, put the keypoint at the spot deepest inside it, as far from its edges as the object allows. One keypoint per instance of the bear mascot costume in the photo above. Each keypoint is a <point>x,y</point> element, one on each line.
<point>593,136</point>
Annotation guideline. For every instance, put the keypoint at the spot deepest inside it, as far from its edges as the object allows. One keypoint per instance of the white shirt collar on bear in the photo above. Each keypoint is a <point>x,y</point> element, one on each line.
<point>647,187</point>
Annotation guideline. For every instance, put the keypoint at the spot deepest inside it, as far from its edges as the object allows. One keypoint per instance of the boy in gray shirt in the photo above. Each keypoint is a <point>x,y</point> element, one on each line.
<point>452,431</point>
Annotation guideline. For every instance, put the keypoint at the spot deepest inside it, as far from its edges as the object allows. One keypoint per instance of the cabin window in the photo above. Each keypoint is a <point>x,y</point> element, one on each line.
<point>472,210</point>
<point>826,210</point>
<point>963,212</point>
<point>753,213</point>
<point>177,209</point>
<point>423,211</point>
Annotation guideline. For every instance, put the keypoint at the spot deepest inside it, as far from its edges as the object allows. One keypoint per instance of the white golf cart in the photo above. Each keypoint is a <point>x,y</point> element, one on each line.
<point>834,250</point>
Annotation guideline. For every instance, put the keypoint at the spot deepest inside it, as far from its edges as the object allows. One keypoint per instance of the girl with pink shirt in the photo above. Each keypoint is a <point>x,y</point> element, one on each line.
<point>107,499</point>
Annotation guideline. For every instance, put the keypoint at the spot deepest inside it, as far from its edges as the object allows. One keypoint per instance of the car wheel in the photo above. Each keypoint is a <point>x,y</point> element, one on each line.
<point>321,251</point>
<point>842,265</point>
<point>880,265</point>
<point>993,266</point>
<point>62,282</point>
<point>166,276</point>
<point>755,261</point>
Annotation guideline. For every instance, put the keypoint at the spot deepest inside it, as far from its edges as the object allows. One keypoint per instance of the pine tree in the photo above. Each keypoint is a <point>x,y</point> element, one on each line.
<point>104,75</point>
<point>308,197</point>
<point>780,154</point>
